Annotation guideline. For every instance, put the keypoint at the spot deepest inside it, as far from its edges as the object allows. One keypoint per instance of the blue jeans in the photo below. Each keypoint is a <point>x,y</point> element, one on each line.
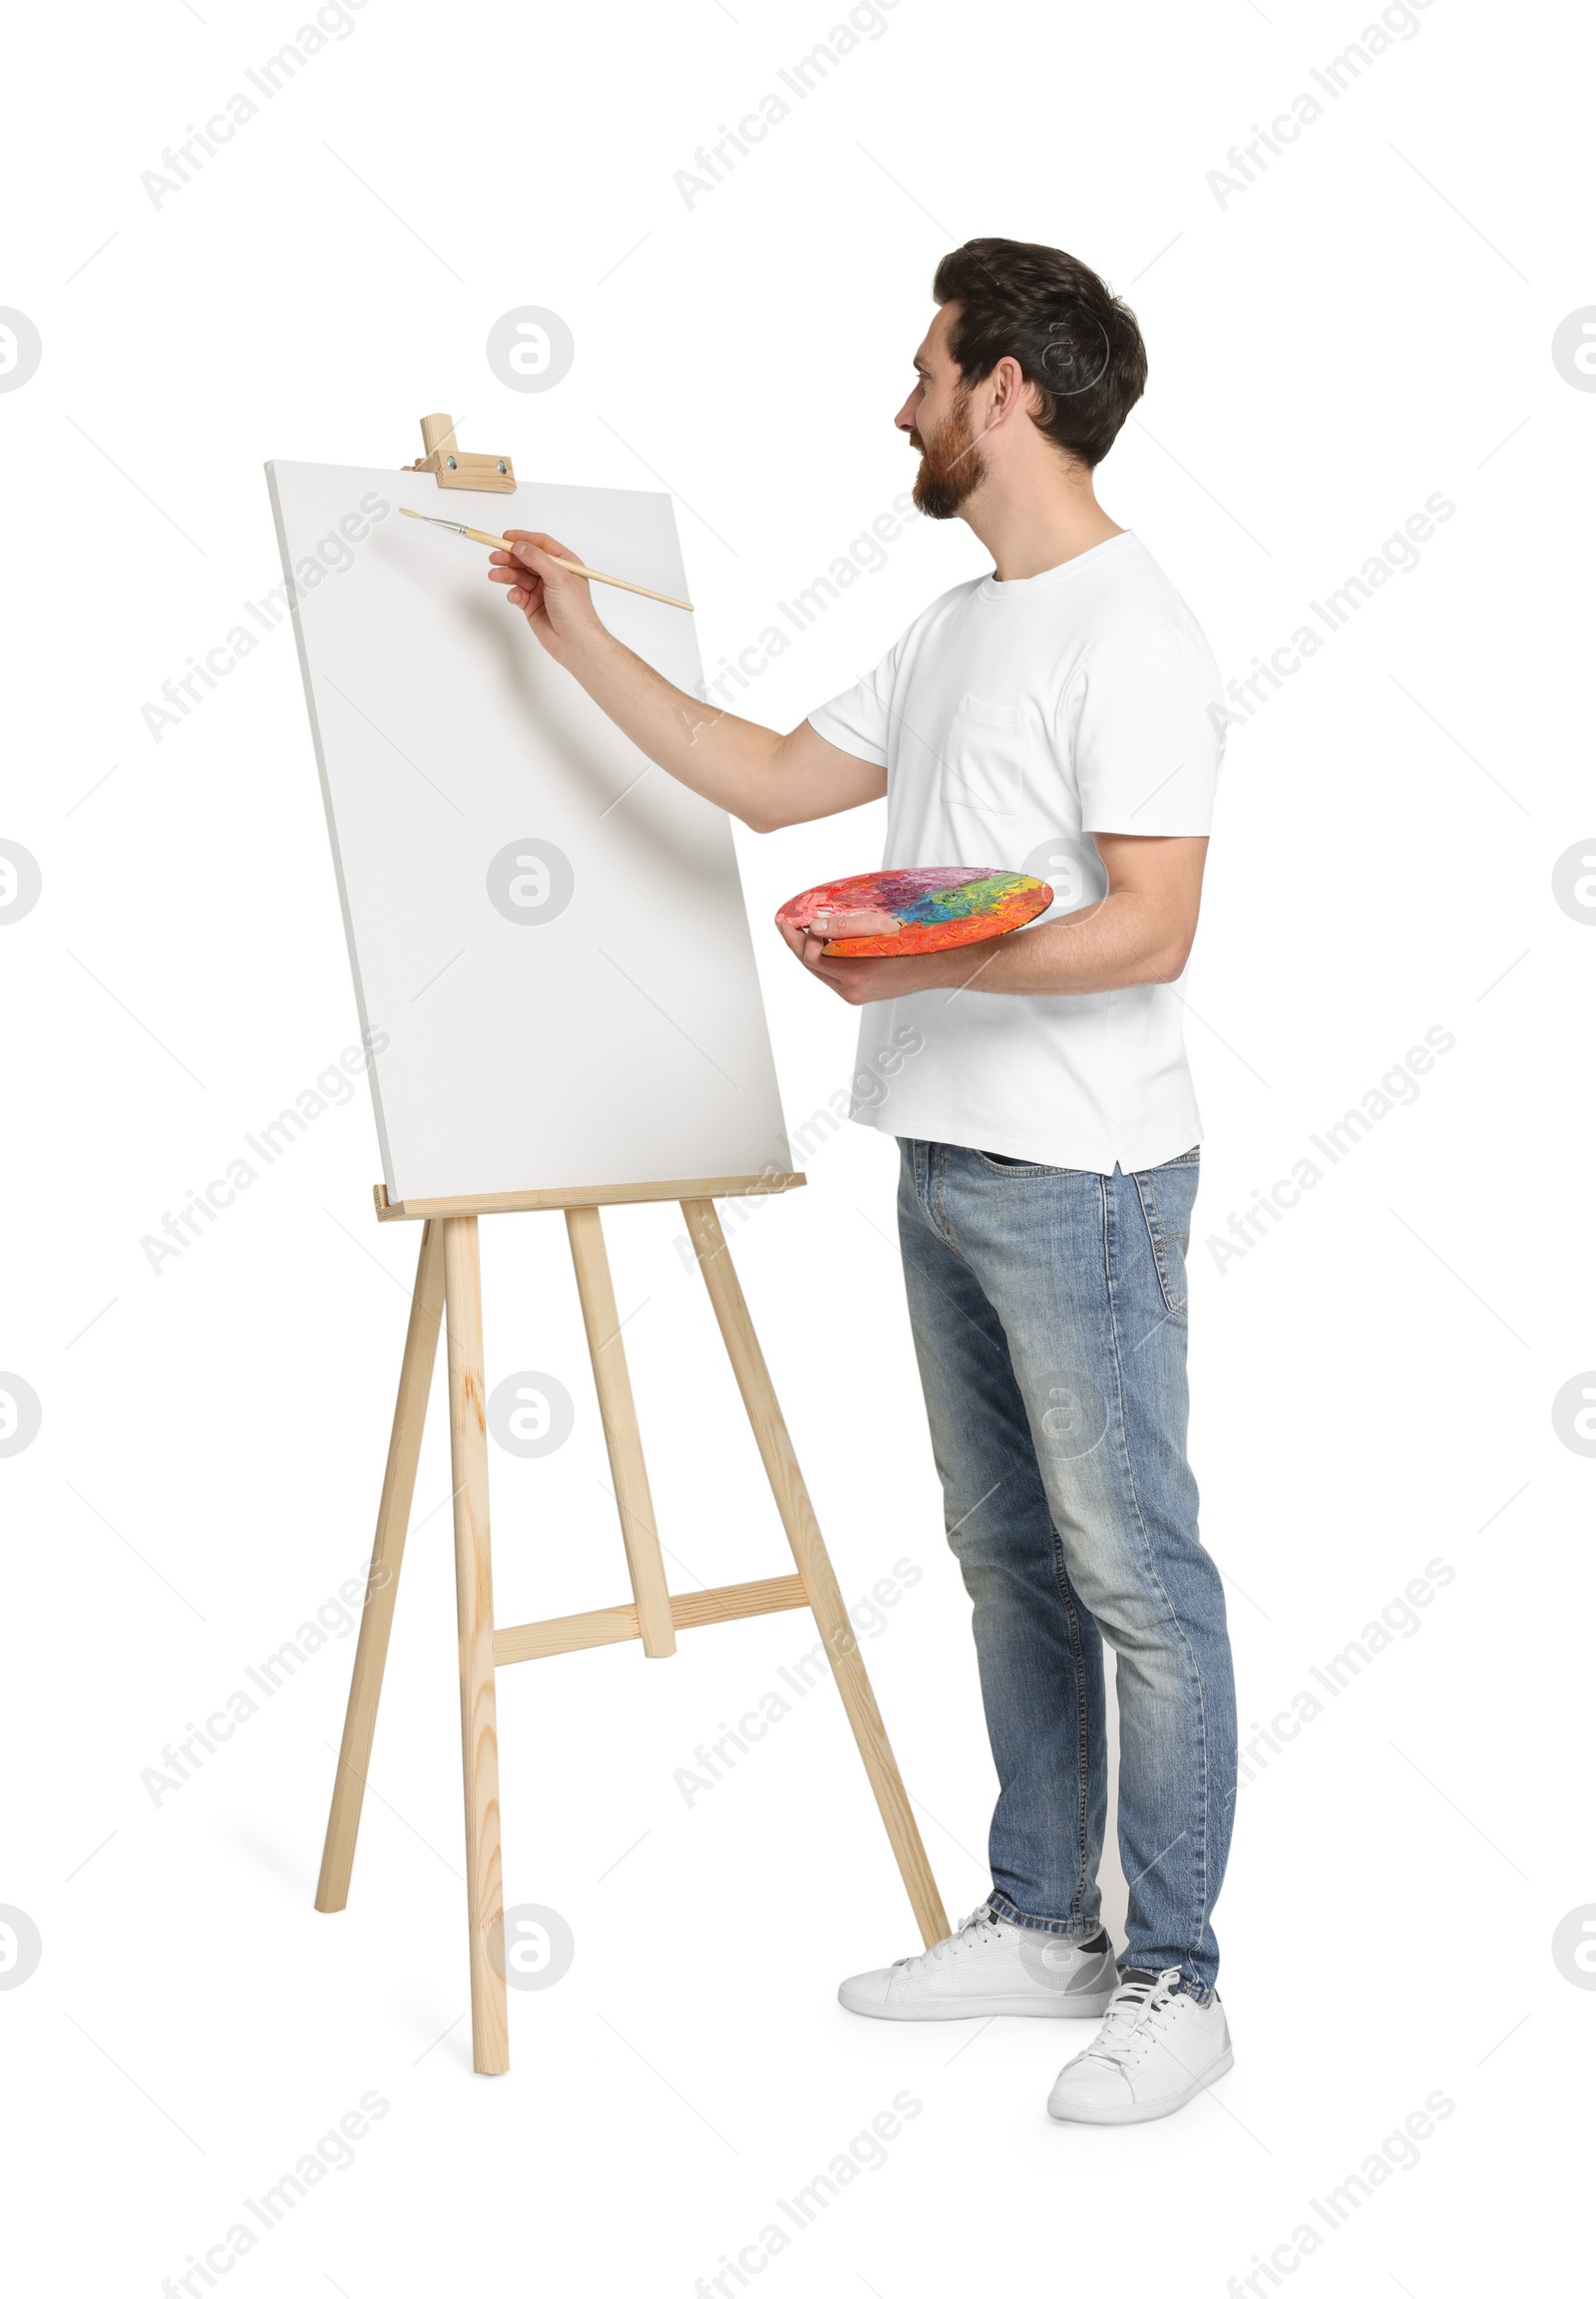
<point>1048,1309</point>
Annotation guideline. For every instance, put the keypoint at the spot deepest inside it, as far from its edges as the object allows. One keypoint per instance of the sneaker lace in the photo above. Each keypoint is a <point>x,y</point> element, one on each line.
<point>1130,2026</point>
<point>956,1940</point>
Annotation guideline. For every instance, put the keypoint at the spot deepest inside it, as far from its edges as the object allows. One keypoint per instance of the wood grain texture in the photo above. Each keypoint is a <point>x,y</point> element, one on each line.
<point>619,1417</point>
<point>468,1444</point>
<point>387,1555</point>
<point>595,1194</point>
<point>482,474</point>
<point>814,1565</point>
<point>615,1623</point>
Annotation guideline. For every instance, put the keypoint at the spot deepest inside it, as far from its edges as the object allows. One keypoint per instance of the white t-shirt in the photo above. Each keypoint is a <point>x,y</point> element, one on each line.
<point>1014,719</point>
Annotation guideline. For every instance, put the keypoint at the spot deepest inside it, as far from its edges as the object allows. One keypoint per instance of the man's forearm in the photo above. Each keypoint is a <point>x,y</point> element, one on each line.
<point>1125,942</point>
<point>764,778</point>
<point>725,759</point>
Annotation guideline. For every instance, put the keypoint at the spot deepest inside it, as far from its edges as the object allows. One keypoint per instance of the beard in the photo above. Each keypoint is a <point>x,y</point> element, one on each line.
<point>951,468</point>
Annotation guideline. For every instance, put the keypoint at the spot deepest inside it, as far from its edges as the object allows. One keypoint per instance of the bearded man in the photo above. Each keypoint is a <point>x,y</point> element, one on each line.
<point>1058,715</point>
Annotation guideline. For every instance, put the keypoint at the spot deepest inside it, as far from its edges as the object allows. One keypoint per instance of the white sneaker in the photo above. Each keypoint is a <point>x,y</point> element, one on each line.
<point>1158,2048</point>
<point>991,1966</point>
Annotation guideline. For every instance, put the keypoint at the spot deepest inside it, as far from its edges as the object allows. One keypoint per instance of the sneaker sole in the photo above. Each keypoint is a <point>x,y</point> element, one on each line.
<point>1086,2006</point>
<point>1137,2114</point>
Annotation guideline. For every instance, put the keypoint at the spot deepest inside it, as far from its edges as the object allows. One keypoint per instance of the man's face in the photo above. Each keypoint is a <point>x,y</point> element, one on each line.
<point>936,418</point>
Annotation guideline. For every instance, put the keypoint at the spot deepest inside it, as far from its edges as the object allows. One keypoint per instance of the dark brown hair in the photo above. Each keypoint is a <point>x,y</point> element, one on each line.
<point>1075,340</point>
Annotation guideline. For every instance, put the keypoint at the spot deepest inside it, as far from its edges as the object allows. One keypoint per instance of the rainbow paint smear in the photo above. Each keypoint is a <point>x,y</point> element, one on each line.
<point>939,908</point>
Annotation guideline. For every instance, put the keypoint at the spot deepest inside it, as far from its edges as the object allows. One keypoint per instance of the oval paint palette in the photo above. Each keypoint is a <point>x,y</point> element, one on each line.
<point>936,909</point>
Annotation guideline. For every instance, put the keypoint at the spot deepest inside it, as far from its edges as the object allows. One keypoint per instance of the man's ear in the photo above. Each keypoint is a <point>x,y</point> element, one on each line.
<point>1014,390</point>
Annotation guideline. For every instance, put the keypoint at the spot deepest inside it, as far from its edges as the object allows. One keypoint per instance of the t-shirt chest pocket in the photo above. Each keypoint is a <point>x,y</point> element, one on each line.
<point>984,757</point>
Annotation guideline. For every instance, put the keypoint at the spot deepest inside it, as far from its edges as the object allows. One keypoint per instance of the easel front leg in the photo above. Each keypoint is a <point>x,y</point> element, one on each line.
<point>814,1565</point>
<point>387,1555</point>
<point>478,1737</point>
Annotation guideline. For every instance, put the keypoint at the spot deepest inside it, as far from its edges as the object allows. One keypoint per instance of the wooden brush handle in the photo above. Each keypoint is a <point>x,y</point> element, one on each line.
<point>573,566</point>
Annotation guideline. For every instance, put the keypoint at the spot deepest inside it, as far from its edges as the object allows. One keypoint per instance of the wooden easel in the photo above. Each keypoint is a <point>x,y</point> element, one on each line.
<point>449,1287</point>
<point>449,1283</point>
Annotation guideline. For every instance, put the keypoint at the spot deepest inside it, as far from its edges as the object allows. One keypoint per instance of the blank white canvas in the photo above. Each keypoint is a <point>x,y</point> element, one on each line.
<point>601,1023</point>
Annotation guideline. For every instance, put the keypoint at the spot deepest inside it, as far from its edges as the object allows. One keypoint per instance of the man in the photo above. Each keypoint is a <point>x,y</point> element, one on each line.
<point>1054,715</point>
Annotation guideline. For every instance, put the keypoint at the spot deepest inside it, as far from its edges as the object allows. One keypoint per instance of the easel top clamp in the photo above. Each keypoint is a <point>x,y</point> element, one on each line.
<point>452,467</point>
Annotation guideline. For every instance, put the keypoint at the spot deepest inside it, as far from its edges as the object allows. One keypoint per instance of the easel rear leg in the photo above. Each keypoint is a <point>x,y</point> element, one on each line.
<point>387,1555</point>
<point>618,1415</point>
<point>814,1565</point>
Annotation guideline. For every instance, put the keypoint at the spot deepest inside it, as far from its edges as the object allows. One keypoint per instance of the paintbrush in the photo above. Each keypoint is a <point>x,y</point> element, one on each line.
<point>573,567</point>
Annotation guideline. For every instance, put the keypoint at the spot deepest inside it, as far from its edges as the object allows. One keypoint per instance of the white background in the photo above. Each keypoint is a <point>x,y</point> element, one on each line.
<point>1369,323</point>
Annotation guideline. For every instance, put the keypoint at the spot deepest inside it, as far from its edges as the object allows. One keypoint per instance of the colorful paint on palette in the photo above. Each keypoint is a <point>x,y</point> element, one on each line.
<point>937,908</point>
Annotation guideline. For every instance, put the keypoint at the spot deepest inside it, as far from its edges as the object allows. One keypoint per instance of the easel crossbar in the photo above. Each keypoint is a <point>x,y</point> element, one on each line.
<point>575,1631</point>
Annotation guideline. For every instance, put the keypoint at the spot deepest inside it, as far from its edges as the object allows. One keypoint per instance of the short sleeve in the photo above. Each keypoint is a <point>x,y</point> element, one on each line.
<point>858,721</point>
<point>1144,727</point>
